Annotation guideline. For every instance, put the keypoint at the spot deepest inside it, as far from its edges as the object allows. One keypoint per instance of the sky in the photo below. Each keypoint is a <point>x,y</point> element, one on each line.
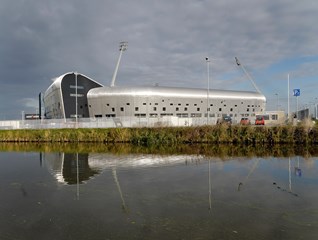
<point>168,42</point>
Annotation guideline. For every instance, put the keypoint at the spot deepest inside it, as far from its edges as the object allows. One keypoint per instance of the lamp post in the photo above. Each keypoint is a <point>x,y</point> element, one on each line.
<point>75,99</point>
<point>277,104</point>
<point>288,97</point>
<point>315,107</point>
<point>208,89</point>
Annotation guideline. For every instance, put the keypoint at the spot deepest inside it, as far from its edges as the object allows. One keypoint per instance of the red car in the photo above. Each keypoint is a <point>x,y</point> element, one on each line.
<point>245,121</point>
<point>260,120</point>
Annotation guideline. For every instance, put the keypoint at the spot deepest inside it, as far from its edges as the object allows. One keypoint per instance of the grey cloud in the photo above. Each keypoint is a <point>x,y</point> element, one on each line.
<point>168,41</point>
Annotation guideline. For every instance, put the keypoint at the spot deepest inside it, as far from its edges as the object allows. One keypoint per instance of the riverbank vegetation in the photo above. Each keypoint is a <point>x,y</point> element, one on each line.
<point>222,151</point>
<point>218,134</point>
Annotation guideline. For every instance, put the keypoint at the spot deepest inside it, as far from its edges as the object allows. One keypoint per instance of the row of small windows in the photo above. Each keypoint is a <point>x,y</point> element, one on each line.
<point>122,109</point>
<point>180,115</point>
<point>187,104</point>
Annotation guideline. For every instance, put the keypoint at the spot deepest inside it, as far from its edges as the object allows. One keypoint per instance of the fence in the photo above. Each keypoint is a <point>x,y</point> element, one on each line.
<point>106,122</point>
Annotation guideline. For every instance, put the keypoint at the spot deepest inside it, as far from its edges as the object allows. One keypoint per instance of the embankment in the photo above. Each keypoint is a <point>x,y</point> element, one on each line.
<point>218,134</point>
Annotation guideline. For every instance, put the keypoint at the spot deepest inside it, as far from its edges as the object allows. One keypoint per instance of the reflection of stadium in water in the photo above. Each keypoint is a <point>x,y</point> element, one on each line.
<point>72,168</point>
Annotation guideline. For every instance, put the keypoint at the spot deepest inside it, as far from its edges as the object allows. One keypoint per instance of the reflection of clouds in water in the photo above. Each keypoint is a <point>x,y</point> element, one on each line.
<point>103,161</point>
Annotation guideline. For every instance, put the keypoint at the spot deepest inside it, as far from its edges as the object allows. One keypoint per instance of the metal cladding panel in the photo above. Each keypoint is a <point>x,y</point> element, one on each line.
<point>69,94</point>
<point>169,101</point>
<point>60,97</point>
<point>172,92</point>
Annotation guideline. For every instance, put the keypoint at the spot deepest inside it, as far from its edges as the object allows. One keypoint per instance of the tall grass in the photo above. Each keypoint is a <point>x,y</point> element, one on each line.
<point>222,151</point>
<point>301,134</point>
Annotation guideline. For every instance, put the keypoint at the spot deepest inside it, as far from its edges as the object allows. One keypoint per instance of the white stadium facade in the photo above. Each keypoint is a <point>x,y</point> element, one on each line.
<point>97,101</point>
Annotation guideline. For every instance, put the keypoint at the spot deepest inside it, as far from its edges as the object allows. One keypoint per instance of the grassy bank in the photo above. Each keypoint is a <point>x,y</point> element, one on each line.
<point>171,135</point>
<point>223,151</point>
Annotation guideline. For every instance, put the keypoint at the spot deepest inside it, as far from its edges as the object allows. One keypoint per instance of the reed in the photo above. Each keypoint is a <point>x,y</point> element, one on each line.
<point>236,134</point>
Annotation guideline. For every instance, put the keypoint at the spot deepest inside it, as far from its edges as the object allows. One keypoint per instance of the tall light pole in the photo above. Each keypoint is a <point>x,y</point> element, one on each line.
<point>277,101</point>
<point>288,97</point>
<point>316,108</point>
<point>208,90</point>
<point>75,98</point>
<point>122,47</point>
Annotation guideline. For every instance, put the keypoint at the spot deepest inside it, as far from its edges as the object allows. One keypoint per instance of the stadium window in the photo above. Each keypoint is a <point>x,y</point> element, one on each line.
<point>136,109</point>
<point>122,109</point>
<point>155,108</point>
<point>163,109</point>
<point>144,103</point>
<point>140,115</point>
<point>177,109</point>
<point>220,109</point>
<point>113,109</point>
<point>128,104</point>
<point>185,109</point>
<point>198,109</point>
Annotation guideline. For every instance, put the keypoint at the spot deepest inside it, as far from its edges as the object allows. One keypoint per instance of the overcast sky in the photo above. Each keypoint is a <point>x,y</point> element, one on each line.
<point>168,41</point>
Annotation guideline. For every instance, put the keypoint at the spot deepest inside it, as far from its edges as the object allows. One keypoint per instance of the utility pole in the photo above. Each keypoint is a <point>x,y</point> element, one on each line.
<point>208,90</point>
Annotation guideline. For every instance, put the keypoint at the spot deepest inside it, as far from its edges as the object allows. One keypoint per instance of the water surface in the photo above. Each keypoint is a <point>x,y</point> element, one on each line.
<point>106,195</point>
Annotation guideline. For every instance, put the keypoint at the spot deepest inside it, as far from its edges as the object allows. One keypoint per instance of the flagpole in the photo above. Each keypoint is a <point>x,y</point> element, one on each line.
<point>288,97</point>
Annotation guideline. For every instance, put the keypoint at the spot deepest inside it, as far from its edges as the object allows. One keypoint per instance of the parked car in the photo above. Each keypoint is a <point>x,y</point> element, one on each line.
<point>259,120</point>
<point>225,119</point>
<point>245,121</point>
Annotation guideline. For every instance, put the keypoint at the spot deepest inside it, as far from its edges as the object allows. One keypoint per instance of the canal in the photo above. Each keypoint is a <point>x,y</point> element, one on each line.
<point>51,194</point>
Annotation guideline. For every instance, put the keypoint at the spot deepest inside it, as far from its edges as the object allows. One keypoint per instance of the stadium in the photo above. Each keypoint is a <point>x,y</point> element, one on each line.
<point>75,95</point>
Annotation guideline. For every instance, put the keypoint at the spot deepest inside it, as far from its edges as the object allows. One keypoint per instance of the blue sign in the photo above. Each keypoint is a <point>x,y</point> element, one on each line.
<point>296,92</point>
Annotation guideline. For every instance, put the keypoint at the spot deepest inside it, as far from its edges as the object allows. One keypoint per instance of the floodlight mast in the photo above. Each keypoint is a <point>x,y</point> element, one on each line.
<point>247,74</point>
<point>122,47</point>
